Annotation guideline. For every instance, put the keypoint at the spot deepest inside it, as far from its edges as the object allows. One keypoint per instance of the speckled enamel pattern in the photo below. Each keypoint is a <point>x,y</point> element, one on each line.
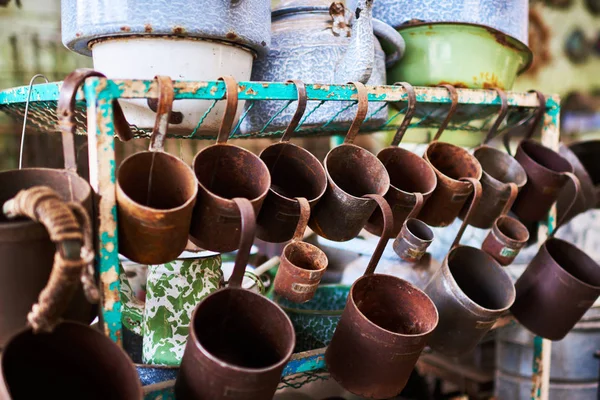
<point>309,46</point>
<point>246,22</point>
<point>173,291</point>
<point>508,16</point>
<point>316,320</point>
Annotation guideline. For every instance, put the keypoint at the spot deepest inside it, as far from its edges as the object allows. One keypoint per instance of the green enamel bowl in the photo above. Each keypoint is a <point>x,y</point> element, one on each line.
<point>464,55</point>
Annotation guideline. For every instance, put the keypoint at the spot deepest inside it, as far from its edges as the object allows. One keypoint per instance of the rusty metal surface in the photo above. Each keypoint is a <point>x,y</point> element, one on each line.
<point>413,240</point>
<point>558,286</point>
<point>506,238</point>
<point>450,164</point>
<point>224,172</point>
<point>234,351</point>
<point>547,173</point>
<point>500,172</point>
<point>382,331</point>
<point>471,291</point>
<point>73,362</point>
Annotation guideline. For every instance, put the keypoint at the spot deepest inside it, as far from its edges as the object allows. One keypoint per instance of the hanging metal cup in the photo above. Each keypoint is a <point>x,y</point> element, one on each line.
<point>74,361</point>
<point>558,286</point>
<point>295,172</point>
<point>383,329</point>
<point>470,290</point>
<point>451,164</point>
<point>239,340</point>
<point>224,172</point>
<point>302,264</point>
<point>352,173</point>
<point>156,192</point>
<point>506,239</point>
<point>502,177</point>
<point>412,180</point>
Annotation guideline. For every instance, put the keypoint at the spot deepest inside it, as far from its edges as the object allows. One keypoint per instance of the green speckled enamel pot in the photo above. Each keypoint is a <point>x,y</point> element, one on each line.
<point>464,55</point>
<point>316,320</point>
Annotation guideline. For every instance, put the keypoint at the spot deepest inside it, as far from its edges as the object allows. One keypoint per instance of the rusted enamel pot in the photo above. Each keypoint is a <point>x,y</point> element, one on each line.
<point>471,291</point>
<point>72,362</point>
<point>302,265</point>
<point>500,172</point>
<point>410,176</point>
<point>586,199</point>
<point>352,173</point>
<point>223,172</point>
<point>26,251</point>
<point>558,286</point>
<point>506,238</point>
<point>295,172</point>
<point>382,331</point>
<point>239,340</point>
<point>413,240</point>
<point>156,192</point>
<point>547,174</point>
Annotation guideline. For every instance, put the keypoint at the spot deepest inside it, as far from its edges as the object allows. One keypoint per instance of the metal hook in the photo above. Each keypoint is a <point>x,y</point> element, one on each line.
<point>454,98</point>
<point>501,115</point>
<point>410,112</point>
<point>25,116</point>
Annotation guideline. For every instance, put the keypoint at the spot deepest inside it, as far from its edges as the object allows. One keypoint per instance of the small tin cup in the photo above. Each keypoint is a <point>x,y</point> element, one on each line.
<point>413,240</point>
<point>302,264</point>
<point>506,238</point>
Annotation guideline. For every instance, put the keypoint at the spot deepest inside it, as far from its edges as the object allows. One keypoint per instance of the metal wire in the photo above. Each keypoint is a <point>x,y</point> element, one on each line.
<point>299,380</point>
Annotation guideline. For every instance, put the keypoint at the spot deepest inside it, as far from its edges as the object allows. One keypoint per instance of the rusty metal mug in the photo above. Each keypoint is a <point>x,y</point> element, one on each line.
<point>302,264</point>
<point>502,177</point>
<point>74,361</point>
<point>239,340</point>
<point>410,176</point>
<point>156,192</point>
<point>295,172</point>
<point>451,163</point>
<point>383,329</point>
<point>352,173</point>
<point>506,239</point>
<point>26,251</point>
<point>470,290</point>
<point>223,172</point>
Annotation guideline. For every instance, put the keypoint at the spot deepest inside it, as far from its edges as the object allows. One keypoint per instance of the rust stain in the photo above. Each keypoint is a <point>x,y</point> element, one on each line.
<point>251,92</point>
<point>78,34</point>
<point>110,296</point>
<point>125,29</point>
<point>213,90</point>
<point>135,88</point>
<point>148,28</point>
<point>502,39</point>
<point>231,36</point>
<point>321,87</point>
<point>263,43</point>
<point>242,88</point>
<point>190,87</point>
<point>178,30</point>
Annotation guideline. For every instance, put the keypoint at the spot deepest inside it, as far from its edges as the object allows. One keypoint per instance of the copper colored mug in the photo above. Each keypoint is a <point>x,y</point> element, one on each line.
<point>451,164</point>
<point>506,239</point>
<point>383,329</point>
<point>412,180</point>
<point>74,361</point>
<point>295,172</point>
<point>239,340</point>
<point>223,172</point>
<point>352,173</point>
<point>156,192</point>
<point>302,264</point>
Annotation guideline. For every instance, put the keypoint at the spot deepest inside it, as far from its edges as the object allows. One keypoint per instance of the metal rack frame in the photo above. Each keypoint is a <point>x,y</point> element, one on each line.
<point>99,94</point>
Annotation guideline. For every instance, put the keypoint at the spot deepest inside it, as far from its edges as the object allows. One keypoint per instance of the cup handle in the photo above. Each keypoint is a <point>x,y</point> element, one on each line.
<point>417,207</point>
<point>451,111</point>
<point>501,115</point>
<point>477,191</point>
<point>539,114</point>
<point>231,105</point>
<point>302,100</point>
<point>410,112</point>
<point>388,225</point>
<point>302,219</point>
<point>575,181</point>
<point>514,192</point>
<point>361,113</point>
<point>257,281</point>
<point>247,232</point>
<point>42,204</point>
<point>163,113</point>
